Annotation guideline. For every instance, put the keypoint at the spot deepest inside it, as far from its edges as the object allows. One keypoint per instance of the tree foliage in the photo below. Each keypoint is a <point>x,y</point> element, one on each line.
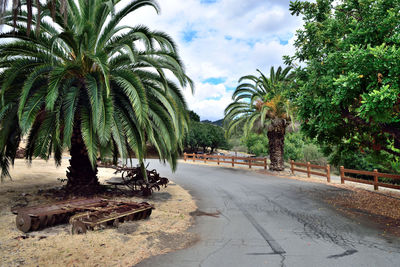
<point>256,144</point>
<point>87,74</point>
<point>204,136</point>
<point>261,103</point>
<point>347,85</point>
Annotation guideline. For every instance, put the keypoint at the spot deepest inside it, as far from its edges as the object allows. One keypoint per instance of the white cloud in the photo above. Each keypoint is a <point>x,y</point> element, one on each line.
<point>231,38</point>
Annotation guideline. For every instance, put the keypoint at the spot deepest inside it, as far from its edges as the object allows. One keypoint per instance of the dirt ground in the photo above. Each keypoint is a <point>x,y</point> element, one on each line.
<point>126,245</point>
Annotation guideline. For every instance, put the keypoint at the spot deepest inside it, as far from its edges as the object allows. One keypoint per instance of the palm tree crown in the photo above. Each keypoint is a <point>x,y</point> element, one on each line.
<point>259,103</point>
<point>87,79</point>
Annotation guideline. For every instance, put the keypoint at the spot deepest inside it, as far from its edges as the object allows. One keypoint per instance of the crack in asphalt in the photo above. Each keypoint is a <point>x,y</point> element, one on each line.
<point>346,253</point>
<point>267,237</point>
<point>214,252</point>
<point>317,226</point>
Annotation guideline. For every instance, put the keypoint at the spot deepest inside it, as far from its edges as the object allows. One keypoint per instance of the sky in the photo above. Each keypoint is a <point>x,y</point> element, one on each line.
<point>220,41</point>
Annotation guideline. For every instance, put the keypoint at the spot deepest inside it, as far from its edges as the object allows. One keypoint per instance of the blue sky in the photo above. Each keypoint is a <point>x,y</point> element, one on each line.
<point>221,41</point>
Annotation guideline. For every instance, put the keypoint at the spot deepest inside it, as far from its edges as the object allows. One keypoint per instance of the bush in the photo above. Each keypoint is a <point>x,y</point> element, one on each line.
<point>256,144</point>
<point>294,145</point>
<point>312,154</point>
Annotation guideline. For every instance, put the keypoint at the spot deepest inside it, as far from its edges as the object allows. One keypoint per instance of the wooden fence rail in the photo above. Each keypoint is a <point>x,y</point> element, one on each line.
<point>308,170</point>
<point>376,183</point>
<point>262,162</point>
<point>374,174</point>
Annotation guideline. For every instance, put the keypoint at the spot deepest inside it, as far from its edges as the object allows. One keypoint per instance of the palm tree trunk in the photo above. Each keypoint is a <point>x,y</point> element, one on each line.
<point>276,139</point>
<point>81,176</point>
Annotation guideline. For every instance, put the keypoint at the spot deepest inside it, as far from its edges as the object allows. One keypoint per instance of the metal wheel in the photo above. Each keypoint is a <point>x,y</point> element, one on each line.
<point>24,222</point>
<point>148,213</point>
<point>60,218</point>
<point>51,220</point>
<point>78,227</point>
<point>43,221</point>
<point>115,223</point>
<point>142,215</point>
<point>136,216</point>
<point>35,224</point>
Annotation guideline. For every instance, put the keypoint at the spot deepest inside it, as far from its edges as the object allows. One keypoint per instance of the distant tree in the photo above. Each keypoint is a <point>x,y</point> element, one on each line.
<point>216,135</point>
<point>260,103</point>
<point>204,136</point>
<point>348,91</point>
<point>193,116</point>
<point>31,6</point>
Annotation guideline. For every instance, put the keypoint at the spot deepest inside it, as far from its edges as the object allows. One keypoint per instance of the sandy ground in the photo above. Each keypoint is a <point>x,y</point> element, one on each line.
<point>126,245</point>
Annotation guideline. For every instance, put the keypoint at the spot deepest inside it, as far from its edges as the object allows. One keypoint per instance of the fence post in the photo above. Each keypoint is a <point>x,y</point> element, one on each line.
<point>292,166</point>
<point>184,156</point>
<point>341,174</point>
<point>308,169</point>
<point>328,173</point>
<point>249,163</point>
<point>194,157</point>
<point>376,179</point>
<point>265,163</point>
<point>233,161</point>
<point>218,159</point>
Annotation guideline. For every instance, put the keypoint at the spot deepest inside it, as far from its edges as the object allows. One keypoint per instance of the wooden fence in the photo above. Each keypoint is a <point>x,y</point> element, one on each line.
<point>309,170</point>
<point>219,159</point>
<point>374,174</point>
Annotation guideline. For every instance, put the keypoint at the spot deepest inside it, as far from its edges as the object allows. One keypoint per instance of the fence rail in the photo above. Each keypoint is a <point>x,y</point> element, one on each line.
<point>374,174</point>
<point>310,166</point>
<point>262,162</point>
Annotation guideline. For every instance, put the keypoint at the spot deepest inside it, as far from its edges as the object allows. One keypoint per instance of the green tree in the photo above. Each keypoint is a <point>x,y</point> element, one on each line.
<point>261,103</point>
<point>205,135</point>
<point>216,136</point>
<point>194,116</point>
<point>348,86</point>
<point>90,85</point>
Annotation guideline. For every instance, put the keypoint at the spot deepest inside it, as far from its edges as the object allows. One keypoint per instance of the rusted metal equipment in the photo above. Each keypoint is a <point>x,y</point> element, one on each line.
<point>132,177</point>
<point>113,214</point>
<point>82,214</point>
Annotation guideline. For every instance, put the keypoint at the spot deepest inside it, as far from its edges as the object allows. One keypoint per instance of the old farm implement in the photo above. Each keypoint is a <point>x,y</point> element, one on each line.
<point>82,214</point>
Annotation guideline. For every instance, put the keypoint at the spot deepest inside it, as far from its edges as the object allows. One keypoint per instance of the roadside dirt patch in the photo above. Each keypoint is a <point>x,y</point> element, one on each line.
<point>382,209</point>
<point>126,245</point>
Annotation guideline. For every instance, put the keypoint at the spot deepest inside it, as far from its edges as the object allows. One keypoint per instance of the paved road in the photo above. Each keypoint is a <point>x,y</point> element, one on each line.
<point>270,221</point>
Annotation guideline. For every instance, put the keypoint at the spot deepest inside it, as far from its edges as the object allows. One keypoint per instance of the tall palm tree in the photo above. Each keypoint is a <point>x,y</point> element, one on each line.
<point>16,7</point>
<point>259,103</point>
<point>90,85</point>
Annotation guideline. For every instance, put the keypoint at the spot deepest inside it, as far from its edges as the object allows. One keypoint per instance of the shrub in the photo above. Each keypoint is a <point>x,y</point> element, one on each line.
<point>312,154</point>
<point>256,144</point>
<point>294,145</point>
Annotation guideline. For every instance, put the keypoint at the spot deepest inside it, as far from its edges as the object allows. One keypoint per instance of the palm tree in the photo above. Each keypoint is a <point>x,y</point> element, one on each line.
<point>259,103</point>
<point>17,8</point>
<point>90,85</point>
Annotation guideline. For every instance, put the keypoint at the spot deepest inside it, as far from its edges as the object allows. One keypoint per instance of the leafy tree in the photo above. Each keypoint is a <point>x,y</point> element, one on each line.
<point>348,86</point>
<point>261,103</point>
<point>194,116</point>
<point>90,85</point>
<point>205,135</point>
<point>216,135</point>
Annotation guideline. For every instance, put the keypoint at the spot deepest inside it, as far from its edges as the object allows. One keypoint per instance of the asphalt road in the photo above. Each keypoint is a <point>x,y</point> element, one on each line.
<point>270,221</point>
